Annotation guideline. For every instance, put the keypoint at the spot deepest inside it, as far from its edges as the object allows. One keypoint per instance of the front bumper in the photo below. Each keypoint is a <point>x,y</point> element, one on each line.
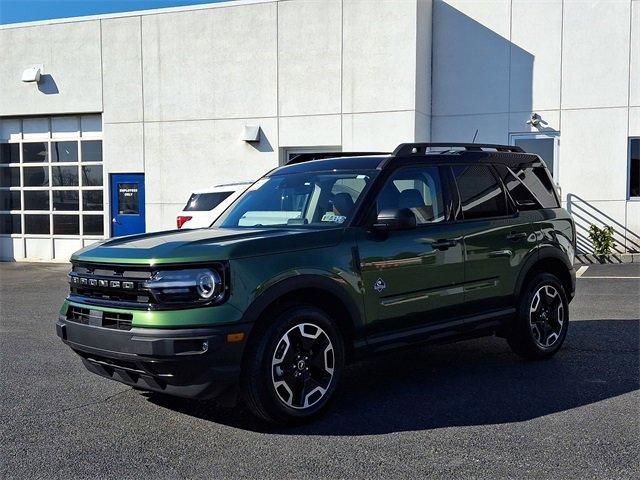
<point>187,362</point>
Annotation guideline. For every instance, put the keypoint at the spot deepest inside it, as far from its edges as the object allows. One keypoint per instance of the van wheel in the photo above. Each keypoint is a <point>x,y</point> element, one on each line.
<point>542,319</point>
<point>293,369</point>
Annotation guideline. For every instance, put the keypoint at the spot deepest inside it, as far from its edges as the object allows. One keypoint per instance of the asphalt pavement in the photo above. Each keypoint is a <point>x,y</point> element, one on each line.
<point>468,410</point>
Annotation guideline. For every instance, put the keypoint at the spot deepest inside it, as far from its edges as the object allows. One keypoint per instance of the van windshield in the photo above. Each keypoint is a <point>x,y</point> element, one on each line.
<point>312,199</point>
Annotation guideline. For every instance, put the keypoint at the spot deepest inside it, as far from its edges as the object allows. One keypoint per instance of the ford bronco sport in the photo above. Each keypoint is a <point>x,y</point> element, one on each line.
<point>323,261</point>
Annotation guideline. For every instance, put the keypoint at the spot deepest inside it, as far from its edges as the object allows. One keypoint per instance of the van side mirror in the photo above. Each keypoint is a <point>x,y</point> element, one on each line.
<point>395,219</point>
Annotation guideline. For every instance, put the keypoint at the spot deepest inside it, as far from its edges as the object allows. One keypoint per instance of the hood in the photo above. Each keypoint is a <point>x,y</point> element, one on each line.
<point>206,244</point>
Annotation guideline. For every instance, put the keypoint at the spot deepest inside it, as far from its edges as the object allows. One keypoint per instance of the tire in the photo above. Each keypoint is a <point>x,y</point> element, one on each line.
<point>293,368</point>
<point>542,320</point>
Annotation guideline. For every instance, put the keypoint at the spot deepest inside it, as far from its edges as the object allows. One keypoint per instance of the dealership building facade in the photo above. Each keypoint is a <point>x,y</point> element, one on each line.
<point>132,112</point>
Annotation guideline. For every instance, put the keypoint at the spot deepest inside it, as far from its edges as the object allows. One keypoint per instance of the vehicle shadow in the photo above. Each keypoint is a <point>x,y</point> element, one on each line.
<point>477,382</point>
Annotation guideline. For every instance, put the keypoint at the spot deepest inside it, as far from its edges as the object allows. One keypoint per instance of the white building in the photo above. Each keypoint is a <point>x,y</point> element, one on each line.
<point>165,95</point>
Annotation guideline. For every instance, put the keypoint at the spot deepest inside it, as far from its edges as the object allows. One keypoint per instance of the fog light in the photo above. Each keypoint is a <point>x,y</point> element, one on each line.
<point>205,345</point>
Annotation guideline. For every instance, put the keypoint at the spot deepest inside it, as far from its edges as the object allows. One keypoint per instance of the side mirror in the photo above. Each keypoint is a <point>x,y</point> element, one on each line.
<point>395,219</point>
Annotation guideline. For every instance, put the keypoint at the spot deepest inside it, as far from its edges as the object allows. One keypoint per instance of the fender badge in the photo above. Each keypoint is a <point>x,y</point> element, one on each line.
<point>379,285</point>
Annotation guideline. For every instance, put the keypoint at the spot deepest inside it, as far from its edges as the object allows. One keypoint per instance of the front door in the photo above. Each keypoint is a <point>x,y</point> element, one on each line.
<point>127,204</point>
<point>412,278</point>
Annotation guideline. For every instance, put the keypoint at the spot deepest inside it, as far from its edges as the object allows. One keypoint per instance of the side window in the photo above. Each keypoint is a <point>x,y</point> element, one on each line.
<point>537,180</point>
<point>521,195</point>
<point>416,188</point>
<point>481,195</point>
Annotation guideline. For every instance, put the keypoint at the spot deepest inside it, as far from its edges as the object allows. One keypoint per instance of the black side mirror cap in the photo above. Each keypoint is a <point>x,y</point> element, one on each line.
<point>395,219</point>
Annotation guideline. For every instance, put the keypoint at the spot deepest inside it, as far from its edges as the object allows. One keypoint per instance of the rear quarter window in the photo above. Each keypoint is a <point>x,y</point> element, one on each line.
<point>539,183</point>
<point>202,202</point>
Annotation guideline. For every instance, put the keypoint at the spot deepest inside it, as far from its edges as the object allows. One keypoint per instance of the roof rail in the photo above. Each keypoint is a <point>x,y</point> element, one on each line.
<point>405,149</point>
<point>307,157</point>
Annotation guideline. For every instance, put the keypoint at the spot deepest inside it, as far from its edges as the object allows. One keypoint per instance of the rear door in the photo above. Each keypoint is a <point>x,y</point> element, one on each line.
<point>497,239</point>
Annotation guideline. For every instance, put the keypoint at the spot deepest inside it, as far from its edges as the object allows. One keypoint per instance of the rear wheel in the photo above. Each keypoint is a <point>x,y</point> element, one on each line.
<point>542,318</point>
<point>294,368</point>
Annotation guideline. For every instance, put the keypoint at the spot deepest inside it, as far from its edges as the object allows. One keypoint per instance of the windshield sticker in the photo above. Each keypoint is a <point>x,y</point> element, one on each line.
<point>332,217</point>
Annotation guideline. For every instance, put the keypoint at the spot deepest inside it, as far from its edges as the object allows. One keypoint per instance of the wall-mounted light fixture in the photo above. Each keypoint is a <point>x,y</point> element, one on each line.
<point>534,120</point>
<point>32,74</point>
<point>251,133</point>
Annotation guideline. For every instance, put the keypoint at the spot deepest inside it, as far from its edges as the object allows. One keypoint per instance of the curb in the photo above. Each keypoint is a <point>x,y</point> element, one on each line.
<point>616,258</point>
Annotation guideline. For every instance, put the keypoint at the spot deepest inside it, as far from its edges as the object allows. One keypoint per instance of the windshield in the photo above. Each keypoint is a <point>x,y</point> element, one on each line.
<point>317,199</point>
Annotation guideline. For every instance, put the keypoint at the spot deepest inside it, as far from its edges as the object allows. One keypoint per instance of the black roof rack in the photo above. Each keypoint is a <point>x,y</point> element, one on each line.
<point>307,157</point>
<point>405,149</point>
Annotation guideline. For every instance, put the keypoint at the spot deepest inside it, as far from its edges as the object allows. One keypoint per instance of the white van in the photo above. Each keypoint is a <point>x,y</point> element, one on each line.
<point>205,206</point>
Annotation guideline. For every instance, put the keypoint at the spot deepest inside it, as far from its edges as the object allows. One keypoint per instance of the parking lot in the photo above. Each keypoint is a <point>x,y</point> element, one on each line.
<point>471,409</point>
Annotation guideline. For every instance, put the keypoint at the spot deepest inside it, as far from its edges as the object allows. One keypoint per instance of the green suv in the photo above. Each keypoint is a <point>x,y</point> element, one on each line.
<point>323,261</point>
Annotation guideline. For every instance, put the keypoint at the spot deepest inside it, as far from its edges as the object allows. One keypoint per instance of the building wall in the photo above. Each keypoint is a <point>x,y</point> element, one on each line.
<point>175,87</point>
<point>575,63</point>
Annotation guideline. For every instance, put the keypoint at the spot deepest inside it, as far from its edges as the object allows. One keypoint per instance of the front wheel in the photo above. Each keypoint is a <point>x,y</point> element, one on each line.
<point>542,318</point>
<point>294,369</point>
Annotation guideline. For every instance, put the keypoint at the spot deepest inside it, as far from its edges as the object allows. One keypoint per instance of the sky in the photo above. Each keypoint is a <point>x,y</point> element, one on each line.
<point>13,11</point>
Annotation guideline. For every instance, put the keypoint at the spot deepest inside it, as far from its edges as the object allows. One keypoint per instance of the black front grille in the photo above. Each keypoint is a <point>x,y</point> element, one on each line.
<point>98,318</point>
<point>110,283</point>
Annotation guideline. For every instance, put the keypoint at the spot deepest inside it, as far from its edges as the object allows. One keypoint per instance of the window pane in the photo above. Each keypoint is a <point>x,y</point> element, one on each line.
<point>9,200</point>
<point>9,153</point>
<point>92,151</point>
<point>10,177</point>
<point>64,151</point>
<point>92,200</point>
<point>634,167</point>
<point>64,176</point>
<point>34,152</point>
<point>418,189</point>
<point>540,146</point>
<point>538,182</point>
<point>66,200</point>
<point>66,225</point>
<point>92,176</point>
<point>200,202</point>
<point>524,198</point>
<point>36,176</point>
<point>93,224</point>
<point>481,196</point>
<point>36,224</point>
<point>10,223</point>
<point>128,199</point>
<point>36,200</point>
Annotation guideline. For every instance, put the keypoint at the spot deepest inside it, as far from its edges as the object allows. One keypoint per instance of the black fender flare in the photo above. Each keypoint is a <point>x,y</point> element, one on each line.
<point>299,282</point>
<point>542,254</point>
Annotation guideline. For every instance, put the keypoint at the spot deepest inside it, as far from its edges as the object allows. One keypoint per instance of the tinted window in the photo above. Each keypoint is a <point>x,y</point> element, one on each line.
<point>521,195</point>
<point>34,152</point>
<point>66,225</point>
<point>200,202</point>
<point>64,151</point>
<point>36,224</point>
<point>10,223</point>
<point>36,200</point>
<point>92,151</point>
<point>481,195</point>
<point>634,167</point>
<point>9,153</point>
<point>64,176</point>
<point>65,200</point>
<point>92,200</point>
<point>10,177</point>
<point>9,200</point>
<point>92,176</point>
<point>538,181</point>
<point>418,189</point>
<point>92,224</point>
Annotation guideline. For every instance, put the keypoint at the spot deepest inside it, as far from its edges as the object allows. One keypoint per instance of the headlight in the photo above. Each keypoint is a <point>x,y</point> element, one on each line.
<point>201,285</point>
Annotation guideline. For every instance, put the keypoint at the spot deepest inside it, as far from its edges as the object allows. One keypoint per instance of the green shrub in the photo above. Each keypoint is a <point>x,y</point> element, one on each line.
<point>602,239</point>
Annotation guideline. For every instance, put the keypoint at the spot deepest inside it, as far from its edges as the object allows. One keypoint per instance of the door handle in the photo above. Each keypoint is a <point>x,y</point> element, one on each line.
<point>444,244</point>
<point>113,220</point>
<point>514,236</point>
